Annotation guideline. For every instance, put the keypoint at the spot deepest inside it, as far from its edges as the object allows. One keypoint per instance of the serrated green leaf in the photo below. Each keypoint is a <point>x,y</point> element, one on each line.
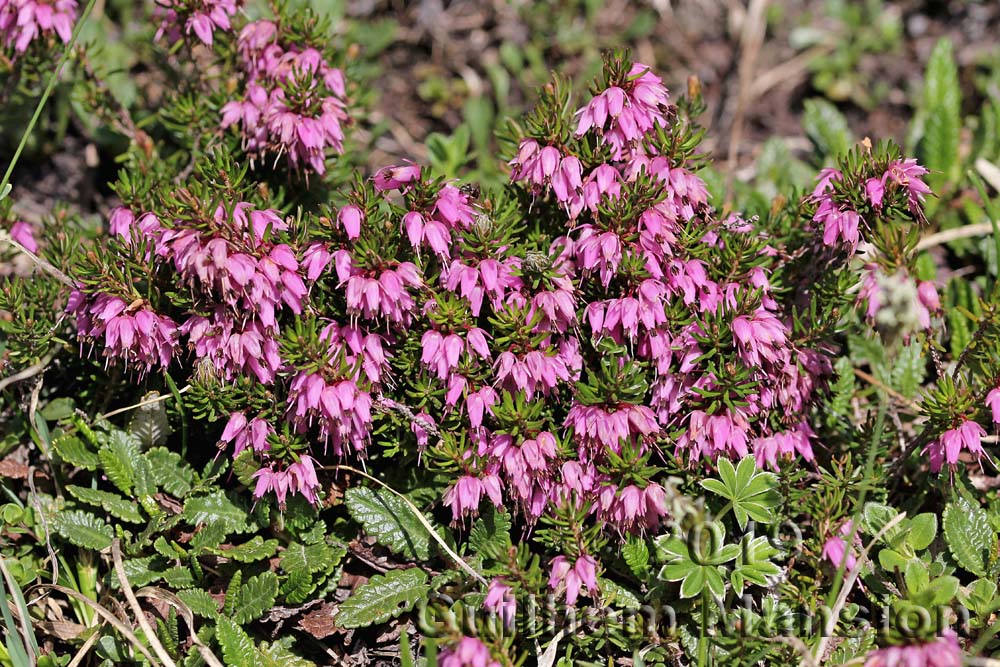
<point>614,594</point>
<point>969,536</point>
<point>244,466</point>
<point>75,451</point>
<point>83,529</point>
<point>636,556</point>
<point>142,478</point>
<point>256,596</point>
<point>143,571</point>
<point>217,507</point>
<point>232,590</point>
<point>118,461</point>
<point>491,532</point>
<point>237,647</point>
<point>942,102</point>
<point>386,518</point>
<point>826,127</point>
<point>309,558</point>
<point>842,390</point>
<point>168,549</point>
<point>179,577</point>
<point>208,537</point>
<point>307,566</point>
<point>384,596</point>
<point>277,655</point>
<point>170,471</point>
<point>200,602</point>
<point>112,503</point>
<point>253,550</point>
<point>297,586</point>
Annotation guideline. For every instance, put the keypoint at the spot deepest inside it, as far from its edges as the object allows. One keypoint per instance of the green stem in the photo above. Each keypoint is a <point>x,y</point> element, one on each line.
<point>45,95</point>
<point>723,512</point>
<point>703,632</point>
<point>180,409</point>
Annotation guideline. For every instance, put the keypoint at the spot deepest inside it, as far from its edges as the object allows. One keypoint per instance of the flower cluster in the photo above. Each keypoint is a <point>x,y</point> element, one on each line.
<point>574,577</point>
<point>23,21</point>
<point>131,332</point>
<point>294,101</point>
<point>240,278</point>
<point>835,548</point>
<point>967,436</point>
<point>942,651</point>
<point>203,17</point>
<point>842,218</point>
<point>626,110</point>
<point>468,652</point>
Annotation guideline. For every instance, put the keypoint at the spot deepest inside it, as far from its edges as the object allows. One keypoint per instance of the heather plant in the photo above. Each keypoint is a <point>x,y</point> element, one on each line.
<point>590,415</point>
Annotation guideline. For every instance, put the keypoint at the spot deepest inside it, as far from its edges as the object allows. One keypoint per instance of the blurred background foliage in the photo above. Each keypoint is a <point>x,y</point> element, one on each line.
<point>438,78</point>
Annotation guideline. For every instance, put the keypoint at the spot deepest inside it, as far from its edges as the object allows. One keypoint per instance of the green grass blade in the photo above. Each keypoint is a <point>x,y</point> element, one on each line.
<point>5,183</point>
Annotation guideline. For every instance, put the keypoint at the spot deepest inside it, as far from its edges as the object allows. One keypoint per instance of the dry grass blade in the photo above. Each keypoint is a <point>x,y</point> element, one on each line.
<point>845,590</point>
<point>111,619</point>
<point>140,615</point>
<point>185,612</point>
<point>64,630</point>
<point>29,372</point>
<point>48,267</point>
<point>164,397</point>
<point>874,381</point>
<point>85,649</point>
<point>989,171</point>
<point>954,234</point>
<point>548,658</point>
